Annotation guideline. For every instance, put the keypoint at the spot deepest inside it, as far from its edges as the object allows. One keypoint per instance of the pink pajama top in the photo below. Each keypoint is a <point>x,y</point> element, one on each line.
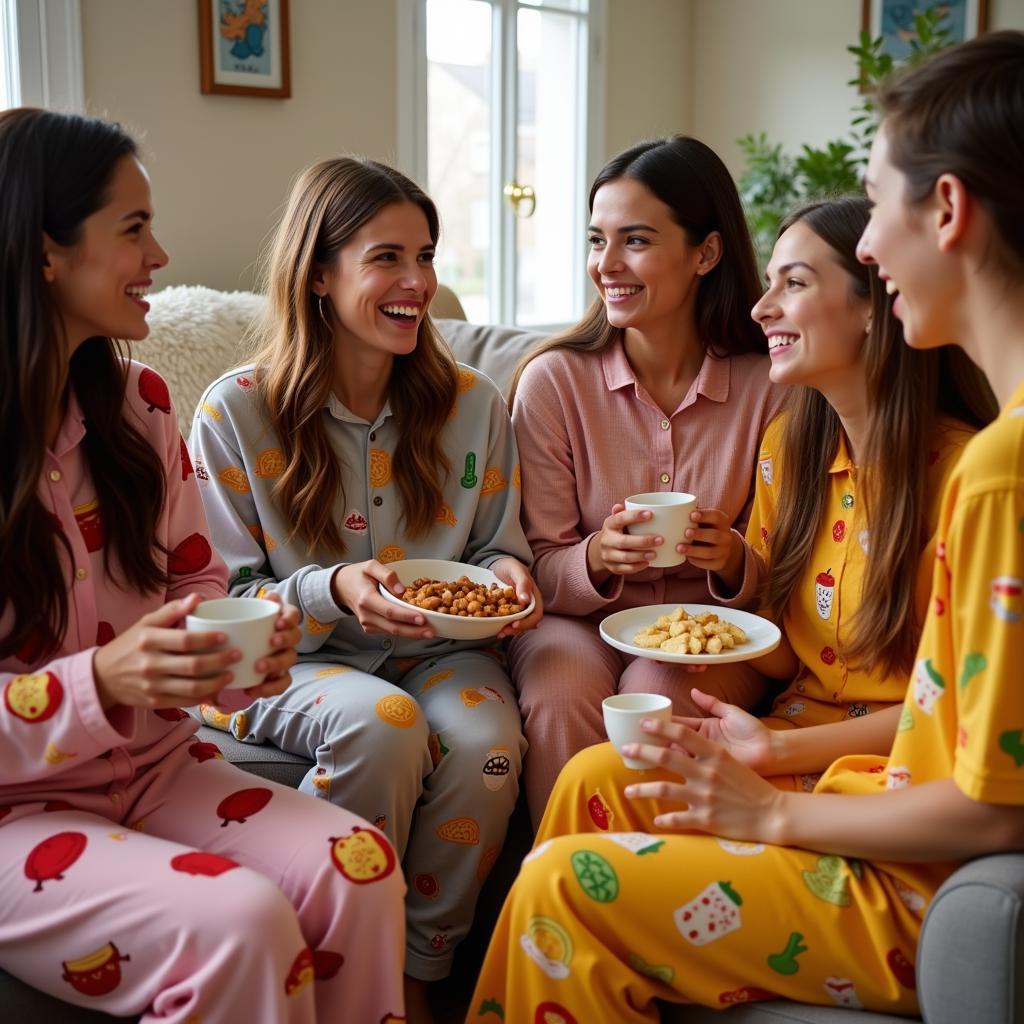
<point>590,435</point>
<point>56,741</point>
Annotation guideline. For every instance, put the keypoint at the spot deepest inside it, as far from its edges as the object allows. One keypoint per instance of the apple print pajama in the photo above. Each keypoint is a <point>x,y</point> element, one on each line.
<point>828,593</point>
<point>601,922</point>
<point>421,737</point>
<point>143,874</point>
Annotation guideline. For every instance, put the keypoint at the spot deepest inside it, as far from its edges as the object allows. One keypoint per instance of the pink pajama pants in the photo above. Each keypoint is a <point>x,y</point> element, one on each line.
<point>205,895</point>
<point>563,670</point>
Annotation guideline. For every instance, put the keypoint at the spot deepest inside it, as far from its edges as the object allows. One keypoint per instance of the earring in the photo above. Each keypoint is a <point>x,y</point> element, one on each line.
<point>320,304</point>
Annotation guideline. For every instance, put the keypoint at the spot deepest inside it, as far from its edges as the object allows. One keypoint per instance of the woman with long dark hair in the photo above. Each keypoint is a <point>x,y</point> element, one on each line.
<point>663,386</point>
<point>353,441</point>
<point>820,896</point>
<point>137,864</point>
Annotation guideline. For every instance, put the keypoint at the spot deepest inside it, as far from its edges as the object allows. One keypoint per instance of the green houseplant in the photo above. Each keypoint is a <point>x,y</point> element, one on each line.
<point>773,182</point>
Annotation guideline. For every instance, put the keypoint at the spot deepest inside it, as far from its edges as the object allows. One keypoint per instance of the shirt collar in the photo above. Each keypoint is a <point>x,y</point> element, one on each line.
<point>712,381</point>
<point>72,428</point>
<point>341,412</point>
<point>842,463</point>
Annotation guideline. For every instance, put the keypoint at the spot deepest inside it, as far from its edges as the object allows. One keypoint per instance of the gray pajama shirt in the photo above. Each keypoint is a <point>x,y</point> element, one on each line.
<point>421,737</point>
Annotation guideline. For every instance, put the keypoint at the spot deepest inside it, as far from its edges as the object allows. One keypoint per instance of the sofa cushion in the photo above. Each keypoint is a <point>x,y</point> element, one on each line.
<point>495,351</point>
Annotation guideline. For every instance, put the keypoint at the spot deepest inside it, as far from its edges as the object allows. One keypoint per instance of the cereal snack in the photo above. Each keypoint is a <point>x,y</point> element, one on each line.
<point>679,632</point>
<point>462,597</point>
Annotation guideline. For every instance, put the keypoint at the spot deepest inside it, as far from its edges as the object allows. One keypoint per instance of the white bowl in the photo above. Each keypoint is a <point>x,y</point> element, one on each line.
<point>452,627</point>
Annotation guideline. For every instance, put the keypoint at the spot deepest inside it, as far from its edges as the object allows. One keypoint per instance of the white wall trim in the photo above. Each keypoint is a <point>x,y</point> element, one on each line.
<point>411,149</point>
<point>49,44</point>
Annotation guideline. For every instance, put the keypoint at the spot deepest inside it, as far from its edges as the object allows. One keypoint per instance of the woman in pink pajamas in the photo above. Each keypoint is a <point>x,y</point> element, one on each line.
<point>663,386</point>
<point>141,873</point>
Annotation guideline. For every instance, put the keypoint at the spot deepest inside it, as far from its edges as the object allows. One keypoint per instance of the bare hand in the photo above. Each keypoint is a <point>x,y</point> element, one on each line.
<point>617,552</point>
<point>355,587</point>
<point>736,731</point>
<point>154,664</point>
<point>275,665</point>
<point>511,571</point>
<point>711,544</point>
<point>718,793</point>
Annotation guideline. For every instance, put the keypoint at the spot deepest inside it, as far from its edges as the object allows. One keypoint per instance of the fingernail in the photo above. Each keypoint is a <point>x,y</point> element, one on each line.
<point>648,723</point>
<point>649,555</point>
<point>629,749</point>
<point>630,791</point>
<point>659,820</point>
<point>262,666</point>
<point>220,638</point>
<point>398,588</point>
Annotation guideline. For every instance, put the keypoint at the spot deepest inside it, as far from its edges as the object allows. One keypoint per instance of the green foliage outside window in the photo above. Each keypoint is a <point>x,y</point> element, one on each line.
<point>774,182</point>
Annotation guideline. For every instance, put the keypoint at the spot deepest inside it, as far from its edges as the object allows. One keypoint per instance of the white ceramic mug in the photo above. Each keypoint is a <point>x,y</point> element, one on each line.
<point>248,623</point>
<point>670,516</point>
<point>623,714</point>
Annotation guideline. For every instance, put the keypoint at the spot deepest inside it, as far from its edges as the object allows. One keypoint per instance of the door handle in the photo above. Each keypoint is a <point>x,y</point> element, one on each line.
<point>518,195</point>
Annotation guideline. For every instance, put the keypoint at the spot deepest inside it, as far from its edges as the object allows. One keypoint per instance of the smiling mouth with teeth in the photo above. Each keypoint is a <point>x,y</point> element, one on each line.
<point>780,341</point>
<point>623,292</point>
<point>137,291</point>
<point>403,314</point>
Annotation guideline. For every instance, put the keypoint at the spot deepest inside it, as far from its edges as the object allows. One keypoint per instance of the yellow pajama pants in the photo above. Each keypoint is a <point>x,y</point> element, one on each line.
<point>607,915</point>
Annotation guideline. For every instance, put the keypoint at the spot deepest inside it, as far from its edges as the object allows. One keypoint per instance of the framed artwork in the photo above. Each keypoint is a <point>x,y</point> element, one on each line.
<point>893,20</point>
<point>243,48</point>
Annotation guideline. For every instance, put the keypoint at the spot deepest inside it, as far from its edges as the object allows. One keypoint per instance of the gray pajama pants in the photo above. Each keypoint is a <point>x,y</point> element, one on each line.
<point>431,755</point>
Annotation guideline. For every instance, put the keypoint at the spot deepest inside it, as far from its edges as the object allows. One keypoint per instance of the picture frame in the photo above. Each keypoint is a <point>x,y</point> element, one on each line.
<point>243,48</point>
<point>893,20</point>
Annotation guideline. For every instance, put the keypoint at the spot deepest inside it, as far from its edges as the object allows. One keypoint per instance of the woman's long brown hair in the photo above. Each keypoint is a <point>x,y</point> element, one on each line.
<point>329,202</point>
<point>691,180</point>
<point>907,390</point>
<point>55,171</point>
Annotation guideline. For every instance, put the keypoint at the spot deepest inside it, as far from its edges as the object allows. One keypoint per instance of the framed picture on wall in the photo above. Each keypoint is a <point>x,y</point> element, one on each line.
<point>243,48</point>
<point>893,20</point>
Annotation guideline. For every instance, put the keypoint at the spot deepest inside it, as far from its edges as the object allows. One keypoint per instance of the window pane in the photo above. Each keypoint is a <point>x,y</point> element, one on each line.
<point>459,145</point>
<point>6,40</point>
<point>549,159</point>
<point>565,5</point>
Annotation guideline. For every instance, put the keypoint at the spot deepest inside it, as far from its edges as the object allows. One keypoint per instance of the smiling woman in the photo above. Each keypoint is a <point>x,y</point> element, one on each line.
<point>356,441</point>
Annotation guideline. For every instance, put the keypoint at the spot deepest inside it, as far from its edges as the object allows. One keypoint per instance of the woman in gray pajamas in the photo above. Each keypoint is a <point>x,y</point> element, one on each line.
<point>355,440</point>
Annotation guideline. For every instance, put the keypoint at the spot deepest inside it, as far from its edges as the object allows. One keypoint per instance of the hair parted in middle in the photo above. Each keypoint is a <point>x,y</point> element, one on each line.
<point>329,202</point>
<point>691,180</point>
<point>907,391</point>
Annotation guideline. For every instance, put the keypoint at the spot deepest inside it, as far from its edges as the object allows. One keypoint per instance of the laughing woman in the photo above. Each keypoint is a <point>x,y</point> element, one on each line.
<point>820,896</point>
<point>137,865</point>
<point>354,441</point>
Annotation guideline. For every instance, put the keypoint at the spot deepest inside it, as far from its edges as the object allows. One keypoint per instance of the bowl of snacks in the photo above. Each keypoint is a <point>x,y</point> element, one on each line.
<point>458,600</point>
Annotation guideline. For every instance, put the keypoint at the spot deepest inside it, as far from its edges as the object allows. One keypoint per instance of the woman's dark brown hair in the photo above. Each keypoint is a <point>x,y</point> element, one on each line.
<point>962,113</point>
<point>329,202</point>
<point>691,180</point>
<point>55,171</point>
<point>907,390</point>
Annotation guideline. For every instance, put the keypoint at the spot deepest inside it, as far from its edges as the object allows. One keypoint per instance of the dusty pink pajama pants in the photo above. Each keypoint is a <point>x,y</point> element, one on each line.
<point>206,895</point>
<point>563,670</point>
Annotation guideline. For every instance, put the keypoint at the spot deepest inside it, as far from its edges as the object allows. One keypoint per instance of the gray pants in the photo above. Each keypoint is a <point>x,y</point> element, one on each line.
<point>432,758</point>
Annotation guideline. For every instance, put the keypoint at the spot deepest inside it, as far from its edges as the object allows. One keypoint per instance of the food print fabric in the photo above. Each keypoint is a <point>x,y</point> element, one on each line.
<point>123,838</point>
<point>600,925</point>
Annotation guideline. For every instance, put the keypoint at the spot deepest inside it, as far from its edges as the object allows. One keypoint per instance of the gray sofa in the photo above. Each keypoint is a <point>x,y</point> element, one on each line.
<point>969,958</point>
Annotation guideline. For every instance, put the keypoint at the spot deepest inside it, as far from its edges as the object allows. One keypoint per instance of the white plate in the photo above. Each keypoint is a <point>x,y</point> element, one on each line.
<point>620,628</point>
<point>451,627</point>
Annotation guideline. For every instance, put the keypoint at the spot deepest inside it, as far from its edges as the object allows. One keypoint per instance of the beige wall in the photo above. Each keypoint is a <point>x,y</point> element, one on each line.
<point>221,165</point>
<point>649,84</point>
<point>781,68</point>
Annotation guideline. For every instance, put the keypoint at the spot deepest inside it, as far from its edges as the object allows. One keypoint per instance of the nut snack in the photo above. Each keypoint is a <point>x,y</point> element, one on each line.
<point>462,597</point>
<point>682,633</point>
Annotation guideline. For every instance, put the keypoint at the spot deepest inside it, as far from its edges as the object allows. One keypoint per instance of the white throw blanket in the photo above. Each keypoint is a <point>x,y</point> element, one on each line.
<point>195,335</point>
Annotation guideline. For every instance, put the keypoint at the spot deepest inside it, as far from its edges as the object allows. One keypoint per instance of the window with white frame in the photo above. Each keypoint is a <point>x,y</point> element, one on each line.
<point>41,54</point>
<point>501,117</point>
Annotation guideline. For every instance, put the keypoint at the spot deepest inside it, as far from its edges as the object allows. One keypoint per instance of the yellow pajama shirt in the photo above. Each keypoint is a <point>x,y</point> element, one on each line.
<point>601,922</point>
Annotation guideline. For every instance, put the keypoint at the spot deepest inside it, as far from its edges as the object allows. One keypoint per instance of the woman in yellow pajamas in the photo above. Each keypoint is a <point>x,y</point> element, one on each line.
<point>819,897</point>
